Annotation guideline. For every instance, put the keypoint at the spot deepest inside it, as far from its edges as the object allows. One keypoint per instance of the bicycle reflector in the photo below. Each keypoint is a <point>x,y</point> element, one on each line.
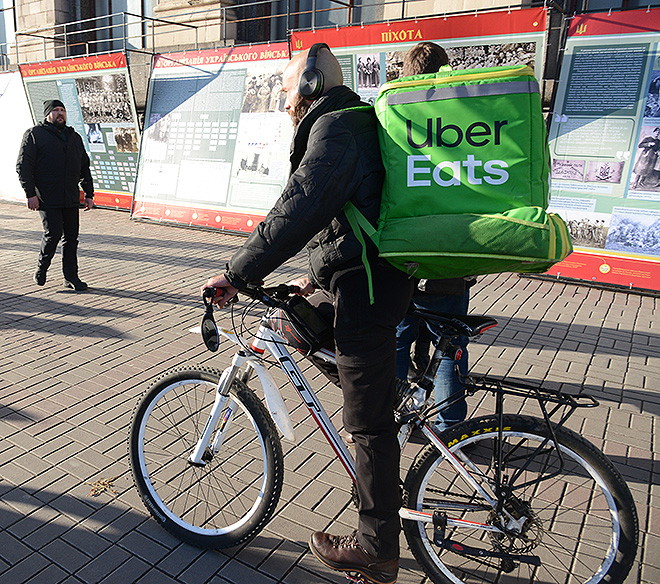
<point>209,328</point>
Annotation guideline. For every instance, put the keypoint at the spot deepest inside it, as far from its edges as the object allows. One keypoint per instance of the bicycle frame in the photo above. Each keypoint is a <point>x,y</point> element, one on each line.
<point>251,356</point>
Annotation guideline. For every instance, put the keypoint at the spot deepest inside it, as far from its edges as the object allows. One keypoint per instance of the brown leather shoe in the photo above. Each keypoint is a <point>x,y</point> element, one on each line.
<point>344,553</point>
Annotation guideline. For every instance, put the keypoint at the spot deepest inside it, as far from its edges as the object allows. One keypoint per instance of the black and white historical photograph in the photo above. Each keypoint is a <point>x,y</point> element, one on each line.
<point>588,231</point>
<point>158,129</point>
<point>126,139</point>
<point>254,162</point>
<point>472,57</point>
<point>263,93</point>
<point>568,169</point>
<point>604,171</point>
<point>635,231</point>
<point>652,107</point>
<point>646,170</point>
<point>499,55</point>
<point>104,99</point>
<point>94,134</point>
<point>368,70</point>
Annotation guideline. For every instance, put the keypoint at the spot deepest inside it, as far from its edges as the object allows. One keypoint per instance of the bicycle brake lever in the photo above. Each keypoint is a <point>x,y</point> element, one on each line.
<point>210,294</point>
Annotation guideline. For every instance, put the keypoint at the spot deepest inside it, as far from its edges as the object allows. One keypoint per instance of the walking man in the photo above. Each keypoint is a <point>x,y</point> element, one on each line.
<point>52,165</point>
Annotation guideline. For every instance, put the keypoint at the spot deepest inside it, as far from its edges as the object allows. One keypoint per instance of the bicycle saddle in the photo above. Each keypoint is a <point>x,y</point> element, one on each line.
<point>453,325</point>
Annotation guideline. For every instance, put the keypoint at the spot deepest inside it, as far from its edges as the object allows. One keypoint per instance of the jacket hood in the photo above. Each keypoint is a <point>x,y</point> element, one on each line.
<point>337,98</point>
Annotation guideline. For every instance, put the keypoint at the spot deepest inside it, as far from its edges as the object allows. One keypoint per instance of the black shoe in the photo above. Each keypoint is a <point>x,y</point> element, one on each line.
<point>344,553</point>
<point>77,285</point>
<point>39,278</point>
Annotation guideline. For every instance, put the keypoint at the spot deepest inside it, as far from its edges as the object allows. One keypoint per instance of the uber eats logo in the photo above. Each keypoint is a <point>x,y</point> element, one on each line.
<point>473,170</point>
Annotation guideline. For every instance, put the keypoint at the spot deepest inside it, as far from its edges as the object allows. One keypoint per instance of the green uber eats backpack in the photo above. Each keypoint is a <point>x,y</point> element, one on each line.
<point>467,176</point>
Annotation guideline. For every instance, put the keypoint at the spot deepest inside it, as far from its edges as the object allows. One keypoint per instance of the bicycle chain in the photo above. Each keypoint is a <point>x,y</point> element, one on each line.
<point>454,495</point>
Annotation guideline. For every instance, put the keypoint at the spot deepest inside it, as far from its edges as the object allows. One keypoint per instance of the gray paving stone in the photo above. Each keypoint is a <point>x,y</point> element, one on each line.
<point>143,547</point>
<point>64,555</point>
<point>203,568</point>
<point>51,574</point>
<point>180,559</point>
<point>130,571</point>
<point>86,541</point>
<point>282,561</point>
<point>236,572</point>
<point>103,564</point>
<point>25,569</point>
<point>71,374</point>
<point>12,550</point>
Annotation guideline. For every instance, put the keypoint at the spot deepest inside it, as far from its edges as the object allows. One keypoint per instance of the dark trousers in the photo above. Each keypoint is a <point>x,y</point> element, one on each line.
<point>365,338</point>
<point>64,224</point>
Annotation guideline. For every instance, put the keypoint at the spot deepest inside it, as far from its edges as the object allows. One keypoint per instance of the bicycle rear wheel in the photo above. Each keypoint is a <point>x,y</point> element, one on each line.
<point>232,497</point>
<point>579,526</point>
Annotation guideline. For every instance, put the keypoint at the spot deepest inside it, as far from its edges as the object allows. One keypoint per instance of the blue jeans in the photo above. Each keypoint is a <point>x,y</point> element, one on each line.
<point>446,383</point>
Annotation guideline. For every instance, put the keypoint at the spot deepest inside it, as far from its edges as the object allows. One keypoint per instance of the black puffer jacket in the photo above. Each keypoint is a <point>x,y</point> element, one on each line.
<point>335,157</point>
<point>51,167</point>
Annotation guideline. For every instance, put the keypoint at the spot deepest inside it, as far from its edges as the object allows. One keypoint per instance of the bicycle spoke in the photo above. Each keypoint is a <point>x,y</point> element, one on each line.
<point>564,519</point>
<point>232,494</point>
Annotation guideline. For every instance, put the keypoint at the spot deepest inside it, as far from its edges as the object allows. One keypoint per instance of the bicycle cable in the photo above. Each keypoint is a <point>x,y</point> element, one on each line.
<point>243,329</point>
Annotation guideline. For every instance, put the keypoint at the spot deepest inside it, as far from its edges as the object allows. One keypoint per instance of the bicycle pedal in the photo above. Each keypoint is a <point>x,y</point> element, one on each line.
<point>356,577</point>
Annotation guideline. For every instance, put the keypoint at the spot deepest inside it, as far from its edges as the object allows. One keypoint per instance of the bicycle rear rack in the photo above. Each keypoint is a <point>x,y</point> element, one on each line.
<point>542,396</point>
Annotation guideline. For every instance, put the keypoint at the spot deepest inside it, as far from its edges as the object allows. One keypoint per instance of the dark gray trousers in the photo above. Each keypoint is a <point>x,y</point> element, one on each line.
<point>60,223</point>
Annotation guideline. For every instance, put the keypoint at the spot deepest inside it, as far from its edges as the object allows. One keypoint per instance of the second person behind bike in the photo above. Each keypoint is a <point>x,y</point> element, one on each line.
<point>448,295</point>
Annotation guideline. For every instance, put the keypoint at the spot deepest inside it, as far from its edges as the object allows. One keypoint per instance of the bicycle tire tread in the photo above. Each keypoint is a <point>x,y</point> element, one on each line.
<point>269,434</point>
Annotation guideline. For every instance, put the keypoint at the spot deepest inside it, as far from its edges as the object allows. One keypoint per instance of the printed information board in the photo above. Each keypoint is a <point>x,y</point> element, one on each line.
<point>605,148</point>
<point>13,101</point>
<point>215,150</point>
<point>100,107</point>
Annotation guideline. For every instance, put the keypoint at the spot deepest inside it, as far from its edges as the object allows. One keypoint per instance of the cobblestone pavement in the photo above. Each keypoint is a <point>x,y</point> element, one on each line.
<point>73,366</point>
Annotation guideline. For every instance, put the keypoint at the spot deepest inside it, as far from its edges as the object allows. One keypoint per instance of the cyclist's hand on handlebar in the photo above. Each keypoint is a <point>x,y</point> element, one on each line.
<point>224,290</point>
<point>304,285</point>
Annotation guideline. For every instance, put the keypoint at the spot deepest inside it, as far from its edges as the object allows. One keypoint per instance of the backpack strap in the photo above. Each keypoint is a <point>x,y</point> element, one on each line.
<point>359,224</point>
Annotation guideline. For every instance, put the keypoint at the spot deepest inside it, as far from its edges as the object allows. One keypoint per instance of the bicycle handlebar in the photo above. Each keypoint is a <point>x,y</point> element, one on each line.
<point>270,296</point>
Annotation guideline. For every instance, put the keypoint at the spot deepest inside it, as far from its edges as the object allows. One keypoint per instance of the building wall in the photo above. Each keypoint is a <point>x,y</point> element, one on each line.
<point>35,15</point>
<point>201,22</point>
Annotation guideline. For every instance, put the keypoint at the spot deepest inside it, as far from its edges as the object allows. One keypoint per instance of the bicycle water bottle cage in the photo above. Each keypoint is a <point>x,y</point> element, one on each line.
<point>301,325</point>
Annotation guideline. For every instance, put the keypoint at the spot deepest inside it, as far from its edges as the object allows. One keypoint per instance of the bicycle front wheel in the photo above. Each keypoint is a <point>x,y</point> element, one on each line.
<point>229,499</point>
<point>568,516</point>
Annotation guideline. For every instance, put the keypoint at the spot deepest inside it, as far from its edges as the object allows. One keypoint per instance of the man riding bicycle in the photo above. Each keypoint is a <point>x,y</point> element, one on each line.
<point>335,157</point>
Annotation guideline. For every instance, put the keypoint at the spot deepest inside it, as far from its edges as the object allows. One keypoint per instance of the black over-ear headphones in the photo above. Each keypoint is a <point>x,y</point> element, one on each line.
<point>310,85</point>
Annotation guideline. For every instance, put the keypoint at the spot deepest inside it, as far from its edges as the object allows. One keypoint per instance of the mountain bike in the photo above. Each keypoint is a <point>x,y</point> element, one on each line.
<point>501,498</point>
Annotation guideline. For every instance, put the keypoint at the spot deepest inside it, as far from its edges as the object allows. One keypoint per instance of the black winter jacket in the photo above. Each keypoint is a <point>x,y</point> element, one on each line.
<point>51,167</point>
<point>335,157</point>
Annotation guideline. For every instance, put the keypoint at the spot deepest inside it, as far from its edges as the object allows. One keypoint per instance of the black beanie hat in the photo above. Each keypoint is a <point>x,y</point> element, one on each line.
<point>51,104</point>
